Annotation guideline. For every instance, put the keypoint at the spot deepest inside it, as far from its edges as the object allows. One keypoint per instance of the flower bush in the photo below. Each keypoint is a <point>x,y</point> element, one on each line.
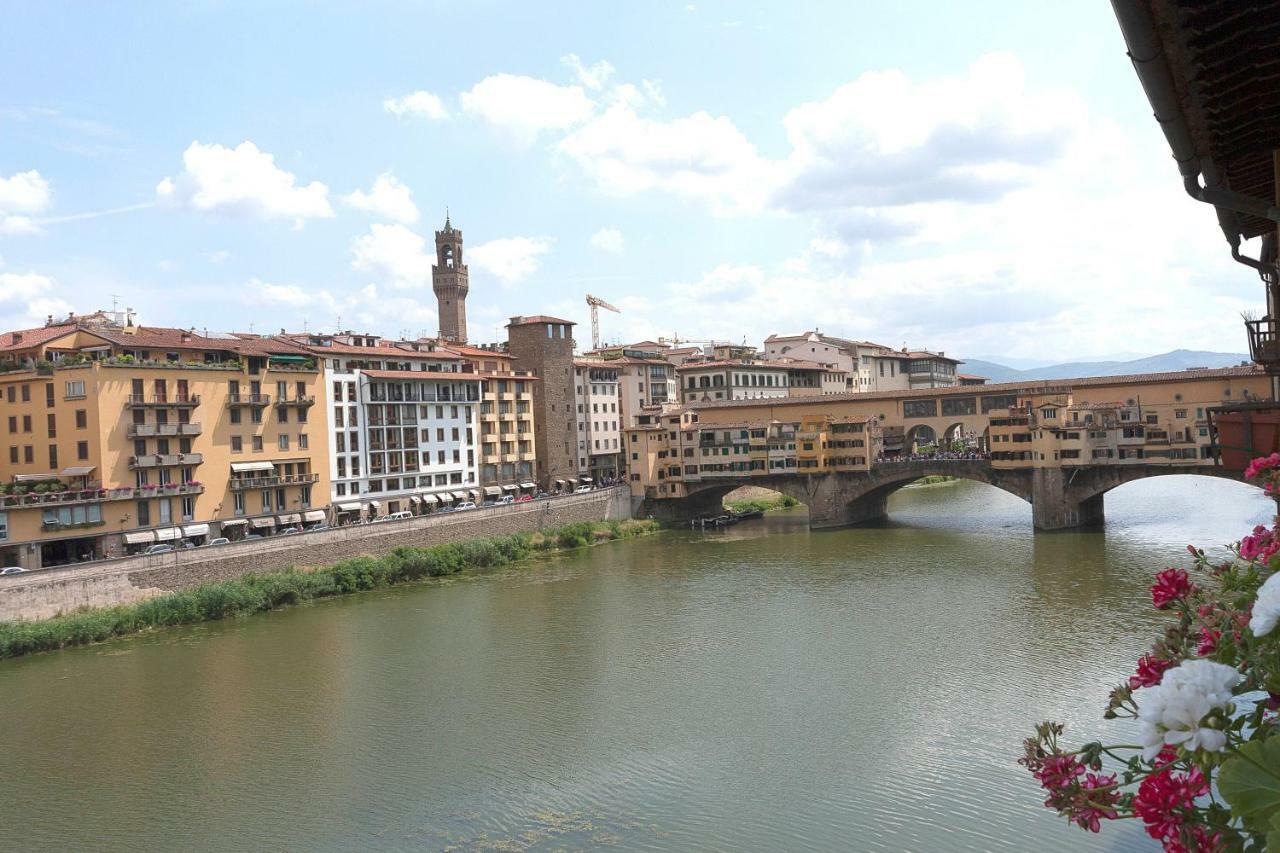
<point>1204,774</point>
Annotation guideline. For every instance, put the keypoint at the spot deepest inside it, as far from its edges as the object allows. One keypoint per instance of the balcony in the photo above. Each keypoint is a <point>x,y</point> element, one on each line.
<point>1264,343</point>
<point>239,484</point>
<point>75,496</point>
<point>299,402</point>
<point>234,400</point>
<point>162,460</point>
<point>142,401</point>
<point>153,430</point>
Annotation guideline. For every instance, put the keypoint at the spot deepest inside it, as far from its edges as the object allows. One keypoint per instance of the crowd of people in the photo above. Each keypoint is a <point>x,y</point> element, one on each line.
<point>936,456</point>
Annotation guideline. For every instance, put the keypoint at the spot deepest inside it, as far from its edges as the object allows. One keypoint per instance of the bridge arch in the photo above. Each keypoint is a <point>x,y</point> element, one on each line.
<point>1092,483</point>
<point>920,435</point>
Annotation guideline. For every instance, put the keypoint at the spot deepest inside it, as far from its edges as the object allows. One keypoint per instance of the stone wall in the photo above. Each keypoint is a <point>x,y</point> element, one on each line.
<point>39,595</point>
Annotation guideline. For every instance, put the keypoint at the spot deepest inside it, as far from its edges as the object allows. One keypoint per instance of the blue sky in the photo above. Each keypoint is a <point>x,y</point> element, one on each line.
<point>984,179</point>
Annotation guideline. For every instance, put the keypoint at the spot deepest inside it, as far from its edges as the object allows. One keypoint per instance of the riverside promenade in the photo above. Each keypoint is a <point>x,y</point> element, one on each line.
<point>48,592</point>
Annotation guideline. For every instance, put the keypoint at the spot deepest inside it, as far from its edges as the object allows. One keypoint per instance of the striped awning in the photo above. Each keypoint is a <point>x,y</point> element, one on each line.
<point>289,518</point>
<point>349,507</point>
<point>233,522</point>
<point>139,537</point>
<point>429,499</point>
<point>460,496</point>
<point>241,467</point>
<point>313,515</point>
<point>492,491</point>
<point>260,523</point>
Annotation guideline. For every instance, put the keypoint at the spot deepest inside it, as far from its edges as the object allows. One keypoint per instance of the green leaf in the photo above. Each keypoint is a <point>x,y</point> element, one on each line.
<point>1250,783</point>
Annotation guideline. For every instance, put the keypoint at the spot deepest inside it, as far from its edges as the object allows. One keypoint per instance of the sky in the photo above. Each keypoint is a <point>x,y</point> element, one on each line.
<point>984,179</point>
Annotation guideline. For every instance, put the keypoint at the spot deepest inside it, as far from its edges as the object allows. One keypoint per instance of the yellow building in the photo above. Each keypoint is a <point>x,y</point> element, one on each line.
<point>118,437</point>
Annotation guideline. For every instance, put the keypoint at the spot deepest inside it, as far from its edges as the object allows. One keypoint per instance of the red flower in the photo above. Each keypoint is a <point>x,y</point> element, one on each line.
<point>1208,641</point>
<point>1171,585</point>
<point>1262,463</point>
<point>1259,545</point>
<point>1150,671</point>
<point>1165,797</point>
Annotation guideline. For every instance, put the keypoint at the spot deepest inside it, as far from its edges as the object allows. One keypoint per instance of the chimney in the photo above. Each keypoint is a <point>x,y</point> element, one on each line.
<point>17,339</point>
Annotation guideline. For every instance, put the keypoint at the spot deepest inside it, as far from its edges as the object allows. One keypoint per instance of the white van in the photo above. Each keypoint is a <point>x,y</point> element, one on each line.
<point>397,516</point>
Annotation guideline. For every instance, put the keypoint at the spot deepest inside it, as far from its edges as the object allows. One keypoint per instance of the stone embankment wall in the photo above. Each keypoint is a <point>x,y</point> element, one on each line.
<point>48,592</point>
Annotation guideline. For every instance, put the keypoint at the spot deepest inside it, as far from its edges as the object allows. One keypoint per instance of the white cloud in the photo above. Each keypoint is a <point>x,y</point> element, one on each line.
<point>509,259</point>
<point>23,193</point>
<point>27,299</point>
<point>394,254</point>
<point>608,239</point>
<point>522,107</point>
<point>419,104</point>
<point>242,181</point>
<point>593,77</point>
<point>280,294</point>
<point>388,198</point>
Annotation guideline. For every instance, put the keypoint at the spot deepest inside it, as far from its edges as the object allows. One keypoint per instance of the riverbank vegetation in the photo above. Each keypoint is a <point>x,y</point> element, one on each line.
<point>254,593</point>
<point>762,504</point>
<point>935,480</point>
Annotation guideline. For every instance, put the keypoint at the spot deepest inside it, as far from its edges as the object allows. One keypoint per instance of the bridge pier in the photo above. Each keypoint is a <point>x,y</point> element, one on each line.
<point>1054,508</point>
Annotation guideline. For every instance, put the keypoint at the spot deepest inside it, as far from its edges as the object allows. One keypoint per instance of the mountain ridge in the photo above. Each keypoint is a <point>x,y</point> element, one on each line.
<point>1174,360</point>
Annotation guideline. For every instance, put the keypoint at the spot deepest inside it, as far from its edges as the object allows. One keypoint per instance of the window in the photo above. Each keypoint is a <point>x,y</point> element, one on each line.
<point>26,393</point>
<point>4,526</point>
<point>28,454</point>
<point>235,416</point>
<point>188,509</point>
<point>283,441</point>
<point>13,455</point>
<point>52,423</point>
<point>144,513</point>
<point>82,450</point>
<point>26,423</point>
<point>237,444</point>
<point>82,419</point>
<point>239,502</point>
<point>257,444</point>
<point>75,390</point>
<point>302,441</point>
<point>919,408</point>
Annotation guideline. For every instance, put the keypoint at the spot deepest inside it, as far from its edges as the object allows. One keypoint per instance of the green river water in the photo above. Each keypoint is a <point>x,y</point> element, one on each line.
<point>761,688</point>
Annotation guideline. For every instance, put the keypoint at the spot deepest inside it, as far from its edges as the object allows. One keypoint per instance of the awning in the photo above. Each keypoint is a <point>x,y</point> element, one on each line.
<point>374,505</point>
<point>349,507</point>
<point>293,359</point>
<point>232,522</point>
<point>585,479</point>
<point>34,478</point>
<point>168,534</point>
<point>429,499</point>
<point>241,467</point>
<point>414,499</point>
<point>313,515</point>
<point>195,530</point>
<point>492,491</point>
<point>570,481</point>
<point>528,485</point>
<point>474,493</point>
<point>259,523</point>
<point>78,471</point>
<point>289,518</point>
<point>510,488</point>
<point>460,496</point>
<point>559,482</point>
<point>140,537</point>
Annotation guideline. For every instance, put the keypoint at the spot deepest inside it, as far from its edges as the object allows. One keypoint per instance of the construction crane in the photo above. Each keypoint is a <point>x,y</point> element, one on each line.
<point>597,303</point>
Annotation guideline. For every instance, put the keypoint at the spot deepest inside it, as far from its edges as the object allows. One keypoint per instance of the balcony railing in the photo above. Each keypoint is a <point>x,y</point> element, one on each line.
<point>184,401</point>
<point>248,400</point>
<point>301,402</point>
<point>1264,342</point>
<point>77,496</point>
<point>239,484</point>
<point>152,430</point>
<point>160,460</point>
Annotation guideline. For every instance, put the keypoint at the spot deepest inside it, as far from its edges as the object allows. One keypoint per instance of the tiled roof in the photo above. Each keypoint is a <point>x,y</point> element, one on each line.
<point>34,337</point>
<point>476,352</point>
<point>538,318</point>
<point>382,350</point>
<point>432,375</point>
<point>696,365</point>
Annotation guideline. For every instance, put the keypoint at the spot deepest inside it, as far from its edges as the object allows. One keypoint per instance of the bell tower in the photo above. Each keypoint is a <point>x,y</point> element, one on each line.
<point>449,281</point>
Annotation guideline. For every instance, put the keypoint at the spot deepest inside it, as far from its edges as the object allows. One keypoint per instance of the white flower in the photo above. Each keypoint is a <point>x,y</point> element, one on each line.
<point>1266,610</point>
<point>1171,712</point>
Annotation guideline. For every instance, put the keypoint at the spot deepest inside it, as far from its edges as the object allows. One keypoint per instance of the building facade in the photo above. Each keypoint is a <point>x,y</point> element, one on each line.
<point>507,419</point>
<point>599,414</point>
<point>709,381</point>
<point>449,282</point>
<point>543,347</point>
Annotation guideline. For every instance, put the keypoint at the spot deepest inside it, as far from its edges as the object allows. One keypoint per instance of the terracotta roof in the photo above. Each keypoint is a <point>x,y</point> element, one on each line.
<point>160,337</point>
<point>382,350</point>
<point>267,347</point>
<point>970,376</point>
<point>1039,386</point>
<point>695,365</point>
<point>477,352</point>
<point>538,318</point>
<point>586,362</point>
<point>34,337</point>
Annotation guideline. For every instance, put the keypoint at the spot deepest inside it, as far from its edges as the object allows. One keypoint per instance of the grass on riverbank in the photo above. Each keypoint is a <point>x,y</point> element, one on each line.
<point>934,480</point>
<point>255,593</point>
<point>762,504</point>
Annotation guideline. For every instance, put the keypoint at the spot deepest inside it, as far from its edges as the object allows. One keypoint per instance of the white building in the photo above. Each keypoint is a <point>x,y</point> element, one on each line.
<point>403,425</point>
<point>599,420</point>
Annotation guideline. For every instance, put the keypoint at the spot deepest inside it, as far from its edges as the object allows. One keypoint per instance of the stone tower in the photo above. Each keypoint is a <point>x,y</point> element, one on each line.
<point>449,281</point>
<point>543,346</point>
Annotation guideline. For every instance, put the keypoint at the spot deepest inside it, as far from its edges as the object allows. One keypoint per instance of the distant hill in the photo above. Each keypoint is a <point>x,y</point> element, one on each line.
<point>1179,359</point>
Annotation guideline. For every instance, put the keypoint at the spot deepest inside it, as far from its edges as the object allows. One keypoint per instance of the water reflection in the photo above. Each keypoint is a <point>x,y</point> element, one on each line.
<point>761,687</point>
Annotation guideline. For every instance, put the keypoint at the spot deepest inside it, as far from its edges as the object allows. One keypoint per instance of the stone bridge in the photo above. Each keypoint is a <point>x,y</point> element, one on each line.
<point>1060,498</point>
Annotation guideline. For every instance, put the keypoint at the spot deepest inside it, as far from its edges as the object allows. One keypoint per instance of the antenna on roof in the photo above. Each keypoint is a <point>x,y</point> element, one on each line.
<point>305,327</point>
<point>250,325</point>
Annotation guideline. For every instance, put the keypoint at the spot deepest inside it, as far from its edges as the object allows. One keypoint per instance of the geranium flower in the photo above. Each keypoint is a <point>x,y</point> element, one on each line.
<point>1171,713</point>
<point>1170,585</point>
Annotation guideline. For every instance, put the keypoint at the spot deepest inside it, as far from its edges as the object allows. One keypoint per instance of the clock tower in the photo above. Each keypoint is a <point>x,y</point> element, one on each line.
<point>449,281</point>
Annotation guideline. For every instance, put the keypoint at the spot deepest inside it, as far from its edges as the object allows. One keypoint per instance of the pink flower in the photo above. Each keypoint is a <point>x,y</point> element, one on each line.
<point>1165,797</point>
<point>1260,544</point>
<point>1150,671</point>
<point>1096,804</point>
<point>1170,586</point>
<point>1208,641</point>
<point>1262,463</point>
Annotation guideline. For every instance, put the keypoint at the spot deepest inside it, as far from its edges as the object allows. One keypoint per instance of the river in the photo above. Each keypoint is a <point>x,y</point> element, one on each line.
<point>761,688</point>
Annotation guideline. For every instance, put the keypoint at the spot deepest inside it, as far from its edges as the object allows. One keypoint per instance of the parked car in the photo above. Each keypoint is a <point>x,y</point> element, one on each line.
<point>290,531</point>
<point>581,489</point>
<point>12,570</point>
<point>464,505</point>
<point>252,536</point>
<point>446,508</point>
<point>524,499</point>
<point>317,527</point>
<point>504,500</point>
<point>541,495</point>
<point>160,548</point>
<point>221,540</point>
<point>187,544</point>
<point>400,516</point>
